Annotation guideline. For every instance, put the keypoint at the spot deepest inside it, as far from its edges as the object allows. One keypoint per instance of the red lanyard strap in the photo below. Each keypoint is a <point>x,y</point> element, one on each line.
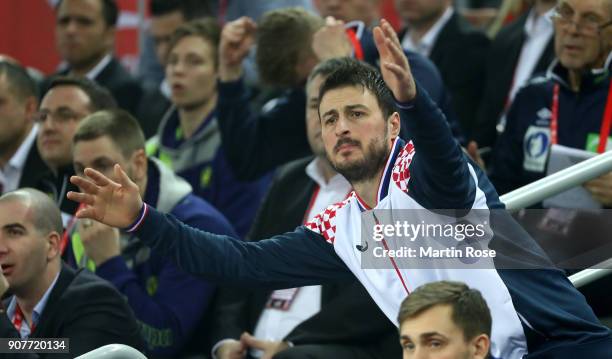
<point>356,44</point>
<point>68,230</point>
<point>606,121</point>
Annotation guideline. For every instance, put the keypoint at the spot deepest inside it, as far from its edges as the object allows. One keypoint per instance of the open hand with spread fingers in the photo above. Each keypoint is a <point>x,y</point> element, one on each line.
<point>394,65</point>
<point>114,204</point>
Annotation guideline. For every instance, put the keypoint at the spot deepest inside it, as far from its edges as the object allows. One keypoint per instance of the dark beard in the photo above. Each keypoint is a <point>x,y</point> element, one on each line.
<point>368,168</point>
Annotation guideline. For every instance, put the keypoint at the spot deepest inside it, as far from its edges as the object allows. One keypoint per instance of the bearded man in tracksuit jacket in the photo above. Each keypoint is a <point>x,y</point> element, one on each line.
<point>537,313</point>
<point>169,303</point>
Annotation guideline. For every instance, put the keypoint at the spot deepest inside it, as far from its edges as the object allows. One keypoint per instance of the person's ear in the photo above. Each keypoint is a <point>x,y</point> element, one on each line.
<point>31,106</point>
<point>53,240</point>
<point>480,346</point>
<point>394,125</point>
<point>139,164</point>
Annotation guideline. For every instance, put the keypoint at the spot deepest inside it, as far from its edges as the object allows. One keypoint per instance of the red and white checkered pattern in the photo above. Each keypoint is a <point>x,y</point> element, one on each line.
<point>324,223</point>
<point>401,171</point>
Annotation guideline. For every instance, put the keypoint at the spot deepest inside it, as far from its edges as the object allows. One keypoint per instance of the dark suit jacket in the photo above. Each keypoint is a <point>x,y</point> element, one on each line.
<point>85,309</point>
<point>147,105</point>
<point>501,64</point>
<point>348,315</point>
<point>33,169</point>
<point>125,89</point>
<point>459,53</point>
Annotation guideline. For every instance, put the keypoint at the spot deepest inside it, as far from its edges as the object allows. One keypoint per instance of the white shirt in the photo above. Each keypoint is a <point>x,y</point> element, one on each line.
<point>538,32</point>
<point>95,71</point>
<point>275,324</point>
<point>429,39</point>
<point>10,174</point>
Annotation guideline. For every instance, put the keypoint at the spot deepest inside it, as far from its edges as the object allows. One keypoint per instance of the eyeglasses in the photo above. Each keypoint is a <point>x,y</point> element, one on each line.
<point>588,25</point>
<point>59,116</point>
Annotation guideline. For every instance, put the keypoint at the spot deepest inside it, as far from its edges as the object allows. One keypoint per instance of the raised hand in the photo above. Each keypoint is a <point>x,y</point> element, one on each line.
<point>114,204</point>
<point>394,65</point>
<point>331,41</point>
<point>237,38</point>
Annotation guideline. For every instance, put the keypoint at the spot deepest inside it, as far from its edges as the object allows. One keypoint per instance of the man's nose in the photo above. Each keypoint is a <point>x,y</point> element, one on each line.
<point>342,126</point>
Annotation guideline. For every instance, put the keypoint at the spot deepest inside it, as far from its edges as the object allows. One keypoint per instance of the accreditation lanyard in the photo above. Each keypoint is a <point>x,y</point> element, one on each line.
<point>18,318</point>
<point>606,121</point>
<point>352,35</point>
<point>68,230</point>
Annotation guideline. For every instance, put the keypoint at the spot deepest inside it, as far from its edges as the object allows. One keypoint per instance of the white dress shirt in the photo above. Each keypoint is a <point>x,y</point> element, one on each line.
<point>428,40</point>
<point>538,32</point>
<point>11,173</point>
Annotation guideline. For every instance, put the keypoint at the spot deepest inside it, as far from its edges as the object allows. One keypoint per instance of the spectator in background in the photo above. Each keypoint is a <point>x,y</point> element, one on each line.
<point>434,29</point>
<point>331,321</point>
<point>445,320</point>
<point>67,101</point>
<point>479,13</point>
<point>367,11</point>
<point>48,299</point>
<point>290,42</point>
<point>189,140</point>
<point>168,303</point>
<point>520,50</point>
<point>85,35</point>
<point>166,17</point>
<point>20,162</point>
<point>567,106</point>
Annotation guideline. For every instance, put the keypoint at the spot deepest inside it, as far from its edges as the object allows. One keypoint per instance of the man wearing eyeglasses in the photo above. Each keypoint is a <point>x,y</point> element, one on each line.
<point>67,101</point>
<point>571,105</point>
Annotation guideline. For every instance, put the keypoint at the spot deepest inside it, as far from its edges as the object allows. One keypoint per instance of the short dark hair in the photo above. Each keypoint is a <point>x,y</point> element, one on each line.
<point>206,28</point>
<point>117,124</point>
<point>328,67</point>
<point>357,73</point>
<point>469,309</point>
<point>20,82</point>
<point>46,216</point>
<point>110,11</point>
<point>284,37</point>
<point>190,9</point>
<point>99,97</point>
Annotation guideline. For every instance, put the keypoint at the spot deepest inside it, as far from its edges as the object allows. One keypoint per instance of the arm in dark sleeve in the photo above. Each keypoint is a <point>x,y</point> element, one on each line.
<point>230,317</point>
<point>289,260</point>
<point>349,318</point>
<point>507,164</point>
<point>98,317</point>
<point>255,144</point>
<point>439,172</point>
